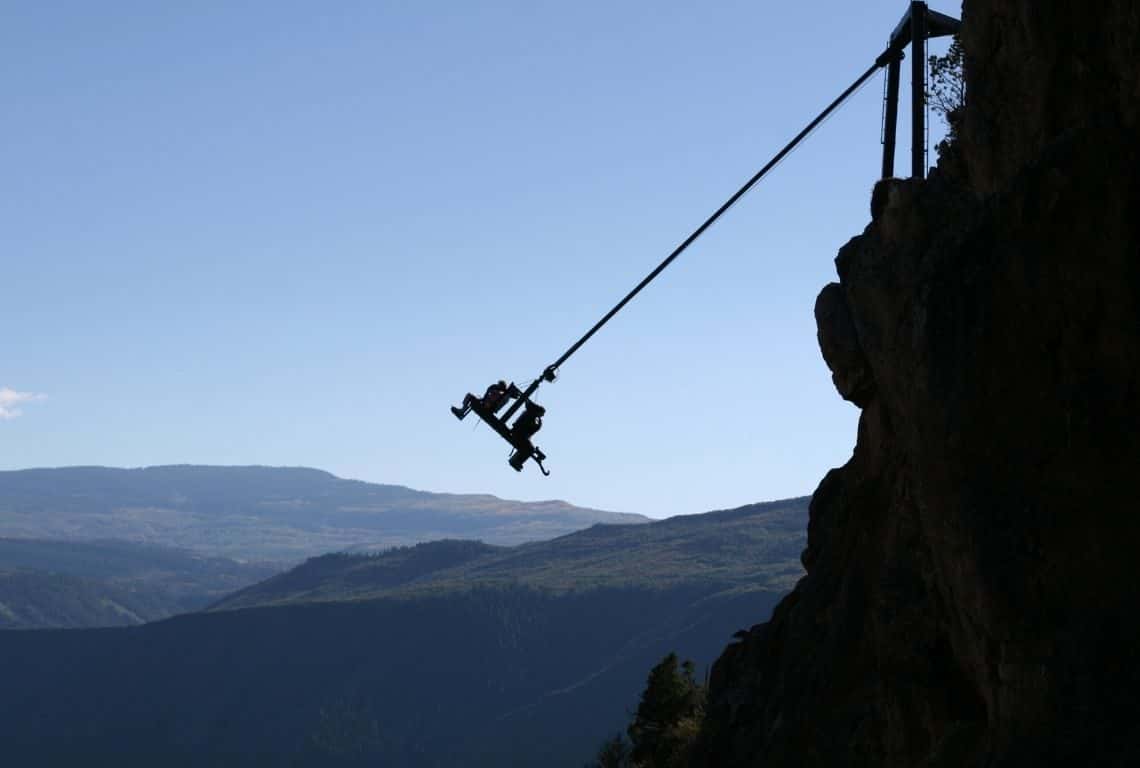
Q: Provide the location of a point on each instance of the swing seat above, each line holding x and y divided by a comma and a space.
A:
523, 448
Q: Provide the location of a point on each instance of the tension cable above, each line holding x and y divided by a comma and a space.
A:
519, 435
550, 372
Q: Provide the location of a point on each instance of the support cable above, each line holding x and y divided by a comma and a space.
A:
549, 373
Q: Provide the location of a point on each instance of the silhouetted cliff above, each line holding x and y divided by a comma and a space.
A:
972, 582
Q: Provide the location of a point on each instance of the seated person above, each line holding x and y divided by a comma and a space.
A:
525, 427
530, 422
493, 399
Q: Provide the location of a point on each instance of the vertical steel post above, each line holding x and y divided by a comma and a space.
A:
918, 89
890, 129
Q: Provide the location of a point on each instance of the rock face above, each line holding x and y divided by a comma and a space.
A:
972, 586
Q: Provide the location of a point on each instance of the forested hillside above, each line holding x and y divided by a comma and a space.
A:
752, 547
71, 584
454, 653
35, 599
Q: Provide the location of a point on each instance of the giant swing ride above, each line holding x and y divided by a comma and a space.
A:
918, 25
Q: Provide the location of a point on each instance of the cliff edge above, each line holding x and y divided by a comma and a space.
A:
971, 587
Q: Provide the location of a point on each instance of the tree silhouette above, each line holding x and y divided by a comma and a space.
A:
668, 717
947, 92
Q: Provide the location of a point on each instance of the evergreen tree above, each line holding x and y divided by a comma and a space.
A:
947, 94
668, 717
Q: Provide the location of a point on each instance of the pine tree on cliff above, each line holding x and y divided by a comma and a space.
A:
947, 94
668, 716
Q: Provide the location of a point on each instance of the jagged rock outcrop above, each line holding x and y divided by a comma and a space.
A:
839, 343
971, 596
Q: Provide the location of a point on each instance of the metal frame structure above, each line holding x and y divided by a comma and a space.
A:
918, 25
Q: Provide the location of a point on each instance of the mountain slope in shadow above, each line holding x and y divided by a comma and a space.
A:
73, 584
454, 653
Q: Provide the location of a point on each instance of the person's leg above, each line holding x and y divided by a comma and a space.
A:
461, 412
523, 450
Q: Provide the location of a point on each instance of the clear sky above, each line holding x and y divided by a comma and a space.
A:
293, 233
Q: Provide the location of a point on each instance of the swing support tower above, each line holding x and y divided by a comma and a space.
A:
918, 25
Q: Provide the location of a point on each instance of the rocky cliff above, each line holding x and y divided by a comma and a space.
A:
971, 595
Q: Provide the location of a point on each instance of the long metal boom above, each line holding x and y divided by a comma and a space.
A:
883, 60
549, 372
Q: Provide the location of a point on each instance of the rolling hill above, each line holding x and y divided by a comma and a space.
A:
70, 584
748, 548
37, 600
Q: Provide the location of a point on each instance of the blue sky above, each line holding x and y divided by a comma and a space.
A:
293, 233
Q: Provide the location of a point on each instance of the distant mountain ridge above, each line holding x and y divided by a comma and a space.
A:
265, 513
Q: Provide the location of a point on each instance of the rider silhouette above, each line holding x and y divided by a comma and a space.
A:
493, 399
526, 426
